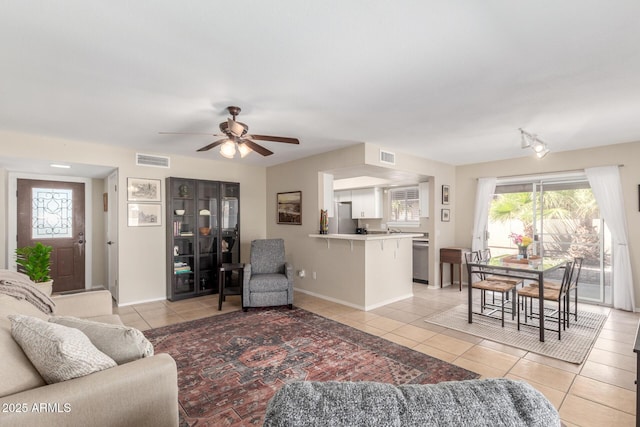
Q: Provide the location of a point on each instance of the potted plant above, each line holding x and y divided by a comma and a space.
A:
35, 262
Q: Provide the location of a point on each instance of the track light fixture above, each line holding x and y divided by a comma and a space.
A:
529, 140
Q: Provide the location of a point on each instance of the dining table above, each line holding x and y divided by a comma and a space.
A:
511, 266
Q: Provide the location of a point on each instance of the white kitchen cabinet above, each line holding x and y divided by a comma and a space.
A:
342, 196
366, 203
423, 193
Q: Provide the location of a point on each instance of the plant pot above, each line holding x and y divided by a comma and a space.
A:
46, 287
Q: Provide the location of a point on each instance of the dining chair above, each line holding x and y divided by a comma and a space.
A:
485, 256
494, 286
556, 295
573, 287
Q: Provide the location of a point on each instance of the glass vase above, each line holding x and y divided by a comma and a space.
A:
523, 252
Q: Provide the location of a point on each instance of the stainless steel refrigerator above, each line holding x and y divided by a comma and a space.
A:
342, 223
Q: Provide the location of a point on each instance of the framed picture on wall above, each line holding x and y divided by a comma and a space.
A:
143, 190
445, 215
445, 194
144, 214
290, 208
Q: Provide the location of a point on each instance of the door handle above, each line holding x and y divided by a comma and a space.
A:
110, 242
81, 236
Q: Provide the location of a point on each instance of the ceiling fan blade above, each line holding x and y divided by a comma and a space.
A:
189, 133
213, 144
257, 148
275, 139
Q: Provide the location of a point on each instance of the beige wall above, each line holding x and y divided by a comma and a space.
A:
141, 250
626, 154
3, 218
309, 254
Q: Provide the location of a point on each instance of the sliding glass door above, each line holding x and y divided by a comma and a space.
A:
563, 218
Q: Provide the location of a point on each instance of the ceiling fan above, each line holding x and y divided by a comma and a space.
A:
236, 134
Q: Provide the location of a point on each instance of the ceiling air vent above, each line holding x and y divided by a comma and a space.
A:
151, 160
387, 157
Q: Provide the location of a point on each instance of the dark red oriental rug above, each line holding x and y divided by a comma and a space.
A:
230, 365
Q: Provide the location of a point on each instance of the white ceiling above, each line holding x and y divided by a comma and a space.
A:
447, 80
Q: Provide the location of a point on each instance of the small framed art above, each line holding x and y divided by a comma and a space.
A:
143, 190
445, 215
144, 214
445, 194
290, 208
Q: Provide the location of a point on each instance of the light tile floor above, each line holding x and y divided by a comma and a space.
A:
599, 392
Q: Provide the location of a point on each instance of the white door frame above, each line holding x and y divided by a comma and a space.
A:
112, 235
12, 218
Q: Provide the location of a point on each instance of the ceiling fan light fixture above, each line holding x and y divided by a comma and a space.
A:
243, 149
235, 128
228, 150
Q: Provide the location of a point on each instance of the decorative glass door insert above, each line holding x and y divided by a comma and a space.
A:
52, 215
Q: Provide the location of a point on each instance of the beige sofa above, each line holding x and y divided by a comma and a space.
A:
143, 392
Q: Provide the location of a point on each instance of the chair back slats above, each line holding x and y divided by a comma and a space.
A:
575, 277
566, 277
471, 257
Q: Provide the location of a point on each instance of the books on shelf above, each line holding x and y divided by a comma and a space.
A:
178, 231
181, 268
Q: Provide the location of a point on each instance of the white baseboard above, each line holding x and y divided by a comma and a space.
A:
142, 301
356, 306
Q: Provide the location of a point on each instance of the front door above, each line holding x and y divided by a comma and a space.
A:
52, 212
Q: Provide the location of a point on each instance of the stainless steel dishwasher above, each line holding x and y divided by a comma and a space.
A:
421, 260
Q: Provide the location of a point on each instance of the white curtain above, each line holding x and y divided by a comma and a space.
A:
607, 189
484, 194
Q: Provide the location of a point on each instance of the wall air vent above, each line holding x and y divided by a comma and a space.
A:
387, 157
151, 160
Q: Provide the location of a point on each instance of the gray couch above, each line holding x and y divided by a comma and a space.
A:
268, 278
488, 402
143, 392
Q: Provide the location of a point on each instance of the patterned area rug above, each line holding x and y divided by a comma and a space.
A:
230, 365
574, 346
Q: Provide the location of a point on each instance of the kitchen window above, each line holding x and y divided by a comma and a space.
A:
405, 206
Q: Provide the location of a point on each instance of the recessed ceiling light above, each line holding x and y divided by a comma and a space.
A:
55, 165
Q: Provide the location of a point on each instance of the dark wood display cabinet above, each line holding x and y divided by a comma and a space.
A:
203, 231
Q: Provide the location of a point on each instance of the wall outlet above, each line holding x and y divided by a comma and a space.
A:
314, 276
301, 273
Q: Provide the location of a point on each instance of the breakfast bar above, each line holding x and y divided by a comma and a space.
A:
368, 270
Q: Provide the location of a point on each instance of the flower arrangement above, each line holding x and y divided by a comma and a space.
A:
520, 240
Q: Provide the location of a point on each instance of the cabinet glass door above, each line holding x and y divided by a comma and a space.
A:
183, 223
207, 235
229, 222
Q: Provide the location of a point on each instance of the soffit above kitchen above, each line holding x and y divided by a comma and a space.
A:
364, 176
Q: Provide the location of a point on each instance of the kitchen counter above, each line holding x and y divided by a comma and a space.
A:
368, 237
